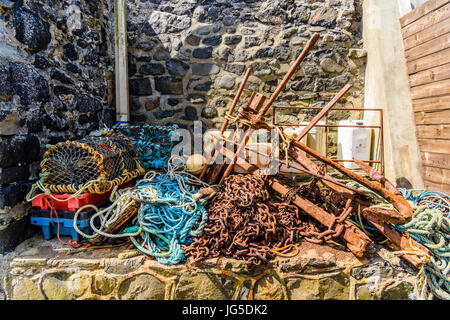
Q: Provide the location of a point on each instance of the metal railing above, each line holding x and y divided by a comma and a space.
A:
379, 155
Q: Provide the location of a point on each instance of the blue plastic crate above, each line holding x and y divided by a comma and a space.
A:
65, 227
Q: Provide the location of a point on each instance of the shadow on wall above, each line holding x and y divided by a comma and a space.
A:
187, 59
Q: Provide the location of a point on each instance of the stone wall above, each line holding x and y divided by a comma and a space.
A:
54, 61
187, 58
318, 272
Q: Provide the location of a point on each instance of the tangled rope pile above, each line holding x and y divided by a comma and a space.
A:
244, 223
432, 199
167, 212
153, 143
169, 215
430, 226
432, 229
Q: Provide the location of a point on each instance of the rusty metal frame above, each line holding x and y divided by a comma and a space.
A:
327, 126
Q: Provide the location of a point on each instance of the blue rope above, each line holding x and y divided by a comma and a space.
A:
153, 143
172, 220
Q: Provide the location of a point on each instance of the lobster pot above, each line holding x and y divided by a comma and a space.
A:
153, 144
96, 164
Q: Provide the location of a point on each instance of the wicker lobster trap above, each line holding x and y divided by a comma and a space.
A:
95, 164
153, 144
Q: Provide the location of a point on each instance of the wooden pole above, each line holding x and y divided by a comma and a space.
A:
121, 62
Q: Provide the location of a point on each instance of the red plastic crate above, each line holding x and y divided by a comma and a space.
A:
75, 203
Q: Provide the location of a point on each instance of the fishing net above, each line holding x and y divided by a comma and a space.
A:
95, 164
153, 143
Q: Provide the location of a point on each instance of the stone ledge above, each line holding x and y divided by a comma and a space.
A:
40, 271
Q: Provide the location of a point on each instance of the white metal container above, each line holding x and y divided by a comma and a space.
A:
353, 142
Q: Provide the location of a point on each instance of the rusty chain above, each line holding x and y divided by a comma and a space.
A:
246, 224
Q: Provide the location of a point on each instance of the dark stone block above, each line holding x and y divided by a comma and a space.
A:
140, 87
108, 116
83, 118
5, 81
162, 114
235, 68
193, 40
17, 232
264, 53
204, 69
132, 69
282, 52
212, 41
176, 67
85, 103
70, 52
144, 59
28, 84
30, 29
211, 14
136, 118
34, 121
14, 174
58, 75
204, 86
169, 85
173, 101
229, 21
153, 69
92, 58
190, 113
19, 149
234, 39
145, 46
82, 43
202, 53
41, 62
161, 53
72, 68
56, 122
58, 90
12, 194
252, 42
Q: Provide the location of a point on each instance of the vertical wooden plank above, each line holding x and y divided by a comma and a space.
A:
121, 62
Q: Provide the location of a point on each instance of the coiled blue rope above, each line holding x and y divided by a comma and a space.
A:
169, 217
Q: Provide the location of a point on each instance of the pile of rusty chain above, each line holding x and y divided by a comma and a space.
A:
246, 224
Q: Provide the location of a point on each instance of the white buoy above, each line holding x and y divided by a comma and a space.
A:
195, 163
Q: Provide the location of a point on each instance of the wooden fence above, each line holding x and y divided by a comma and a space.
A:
426, 38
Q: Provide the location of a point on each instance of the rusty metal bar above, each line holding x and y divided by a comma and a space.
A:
399, 241
230, 113
323, 112
289, 74
404, 209
355, 239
